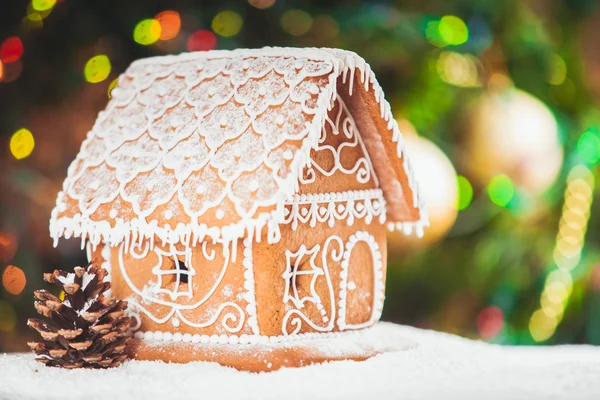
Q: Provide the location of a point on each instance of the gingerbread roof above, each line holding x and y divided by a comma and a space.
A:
213, 143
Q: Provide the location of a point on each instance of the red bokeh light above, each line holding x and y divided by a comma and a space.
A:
201, 40
490, 322
11, 49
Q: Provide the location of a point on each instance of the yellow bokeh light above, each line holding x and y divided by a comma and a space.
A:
453, 30
112, 85
227, 23
541, 326
1, 70
8, 317
458, 69
296, 22
97, 68
42, 5
147, 31
21, 143
557, 72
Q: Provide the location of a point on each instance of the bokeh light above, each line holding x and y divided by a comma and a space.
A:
12, 71
458, 69
8, 316
1, 70
42, 5
97, 68
490, 322
566, 255
112, 85
227, 23
262, 4
170, 24
21, 143
296, 22
453, 30
201, 40
501, 190
557, 72
588, 146
465, 192
11, 50
325, 27
8, 246
147, 32
541, 326
13, 280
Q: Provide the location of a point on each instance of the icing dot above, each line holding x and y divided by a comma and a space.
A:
113, 213
220, 214
280, 120
223, 121
200, 189
175, 322
288, 155
169, 215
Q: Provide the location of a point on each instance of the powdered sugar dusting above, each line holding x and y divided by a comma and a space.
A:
420, 365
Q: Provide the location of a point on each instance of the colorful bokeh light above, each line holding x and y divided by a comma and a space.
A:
97, 68
490, 322
296, 22
170, 24
588, 146
112, 85
453, 30
202, 40
8, 246
21, 143
262, 4
1, 70
501, 190
13, 280
43, 5
11, 50
147, 32
8, 316
465, 192
227, 23
557, 71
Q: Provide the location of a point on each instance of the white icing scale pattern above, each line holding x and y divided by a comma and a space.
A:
212, 144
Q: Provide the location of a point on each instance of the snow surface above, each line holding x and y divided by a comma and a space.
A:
424, 365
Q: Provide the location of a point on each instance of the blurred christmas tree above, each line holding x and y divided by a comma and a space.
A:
504, 94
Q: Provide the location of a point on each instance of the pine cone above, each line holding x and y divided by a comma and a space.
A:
87, 329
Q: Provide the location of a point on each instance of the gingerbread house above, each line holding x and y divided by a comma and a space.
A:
243, 196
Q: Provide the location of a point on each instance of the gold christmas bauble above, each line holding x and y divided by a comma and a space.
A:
510, 132
436, 177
